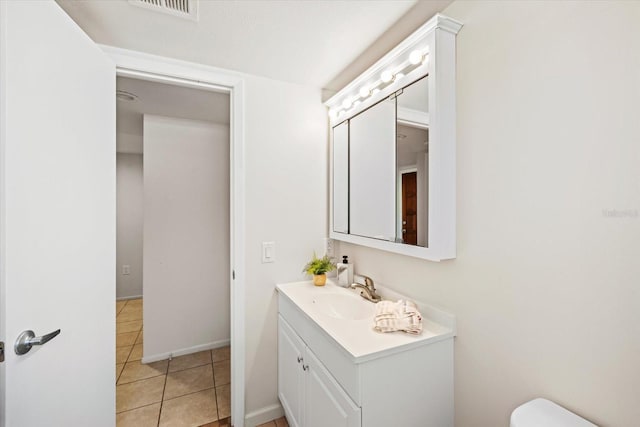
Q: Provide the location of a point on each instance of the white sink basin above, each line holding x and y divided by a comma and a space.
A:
344, 305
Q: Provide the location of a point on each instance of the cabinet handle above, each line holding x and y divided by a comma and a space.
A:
305, 367
300, 359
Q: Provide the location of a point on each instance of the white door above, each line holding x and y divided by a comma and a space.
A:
57, 201
326, 403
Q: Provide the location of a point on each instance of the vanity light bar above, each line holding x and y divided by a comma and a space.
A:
416, 58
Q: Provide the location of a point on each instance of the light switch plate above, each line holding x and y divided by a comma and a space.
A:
126, 270
268, 252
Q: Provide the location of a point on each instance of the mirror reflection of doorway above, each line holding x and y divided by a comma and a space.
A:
412, 164
412, 185
409, 208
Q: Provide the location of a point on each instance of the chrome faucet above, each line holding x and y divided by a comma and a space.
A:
368, 290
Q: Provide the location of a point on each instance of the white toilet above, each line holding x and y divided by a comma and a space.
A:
544, 413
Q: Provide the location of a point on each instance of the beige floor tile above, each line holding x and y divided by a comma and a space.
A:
282, 422
223, 400
134, 371
220, 354
140, 336
128, 316
221, 372
139, 393
126, 340
122, 353
147, 416
135, 302
213, 424
132, 307
119, 367
136, 353
123, 327
119, 306
225, 422
188, 381
190, 410
189, 361
269, 424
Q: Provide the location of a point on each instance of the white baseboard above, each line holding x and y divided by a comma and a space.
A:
126, 298
183, 351
263, 415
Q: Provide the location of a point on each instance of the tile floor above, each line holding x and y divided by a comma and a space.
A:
187, 391
192, 390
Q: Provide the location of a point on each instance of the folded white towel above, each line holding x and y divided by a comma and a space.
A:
398, 316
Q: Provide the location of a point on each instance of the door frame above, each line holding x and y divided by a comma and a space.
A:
401, 171
176, 72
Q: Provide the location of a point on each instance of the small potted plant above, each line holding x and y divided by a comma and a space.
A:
319, 267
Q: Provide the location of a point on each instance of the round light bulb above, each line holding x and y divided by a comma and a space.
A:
386, 76
346, 103
364, 92
415, 57
399, 76
333, 114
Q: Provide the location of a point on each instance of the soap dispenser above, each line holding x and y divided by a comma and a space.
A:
345, 272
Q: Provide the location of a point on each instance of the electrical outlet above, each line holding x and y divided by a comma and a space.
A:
328, 247
126, 270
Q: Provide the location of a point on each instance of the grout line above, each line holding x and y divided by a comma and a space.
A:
128, 356
188, 394
120, 374
215, 391
191, 367
138, 407
140, 379
162, 399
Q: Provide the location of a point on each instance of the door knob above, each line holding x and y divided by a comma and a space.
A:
28, 339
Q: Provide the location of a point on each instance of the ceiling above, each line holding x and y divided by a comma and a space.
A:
163, 100
305, 41
411, 141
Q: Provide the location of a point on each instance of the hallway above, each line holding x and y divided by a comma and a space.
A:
186, 391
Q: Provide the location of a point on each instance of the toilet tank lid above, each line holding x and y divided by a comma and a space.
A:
542, 412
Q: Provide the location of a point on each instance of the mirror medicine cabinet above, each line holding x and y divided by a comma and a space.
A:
393, 149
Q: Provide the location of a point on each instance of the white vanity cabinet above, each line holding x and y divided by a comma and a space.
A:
338, 372
308, 392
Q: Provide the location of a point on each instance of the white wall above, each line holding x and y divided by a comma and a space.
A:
545, 286
286, 155
186, 235
129, 224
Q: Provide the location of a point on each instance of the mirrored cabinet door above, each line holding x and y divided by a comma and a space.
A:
372, 172
412, 142
341, 178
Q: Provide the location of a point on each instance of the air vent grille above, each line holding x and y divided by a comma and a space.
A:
183, 8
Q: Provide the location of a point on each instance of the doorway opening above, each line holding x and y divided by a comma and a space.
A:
174, 229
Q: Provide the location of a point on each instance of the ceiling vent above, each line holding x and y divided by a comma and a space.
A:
182, 8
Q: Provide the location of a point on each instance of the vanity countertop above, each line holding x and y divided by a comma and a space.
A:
356, 336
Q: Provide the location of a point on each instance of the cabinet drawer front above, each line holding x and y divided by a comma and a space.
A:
342, 368
326, 402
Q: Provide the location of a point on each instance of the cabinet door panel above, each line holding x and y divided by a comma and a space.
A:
372, 172
290, 373
326, 404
